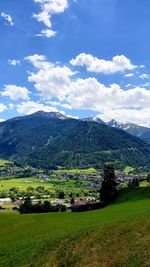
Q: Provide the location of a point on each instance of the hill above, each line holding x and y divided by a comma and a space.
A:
46, 139
118, 235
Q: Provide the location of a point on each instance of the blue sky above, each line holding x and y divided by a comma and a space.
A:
83, 58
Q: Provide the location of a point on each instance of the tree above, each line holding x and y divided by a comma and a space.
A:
47, 206
148, 178
61, 195
26, 207
133, 183
72, 201
108, 191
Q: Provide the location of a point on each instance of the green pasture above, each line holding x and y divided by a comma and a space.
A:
3, 162
74, 171
23, 183
53, 186
118, 235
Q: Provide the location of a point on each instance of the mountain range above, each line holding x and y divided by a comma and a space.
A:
131, 128
49, 139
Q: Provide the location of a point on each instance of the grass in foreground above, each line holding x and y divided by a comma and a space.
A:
118, 235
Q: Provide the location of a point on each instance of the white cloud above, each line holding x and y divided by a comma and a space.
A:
140, 117
2, 107
30, 107
47, 33
11, 105
142, 66
36, 60
66, 106
57, 81
14, 62
145, 76
51, 80
53, 103
15, 92
7, 18
128, 85
48, 9
72, 117
91, 94
146, 84
59, 104
128, 75
1, 120
94, 64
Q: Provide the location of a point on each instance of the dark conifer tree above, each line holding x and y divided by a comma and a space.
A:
148, 178
108, 191
26, 207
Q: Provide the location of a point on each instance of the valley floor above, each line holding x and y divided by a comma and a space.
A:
116, 236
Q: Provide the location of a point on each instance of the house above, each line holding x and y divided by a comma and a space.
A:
5, 201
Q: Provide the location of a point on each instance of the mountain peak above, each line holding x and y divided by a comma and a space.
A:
115, 124
49, 115
94, 119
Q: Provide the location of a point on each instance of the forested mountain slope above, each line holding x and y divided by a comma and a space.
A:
46, 139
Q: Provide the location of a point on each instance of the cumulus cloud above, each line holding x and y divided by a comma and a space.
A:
66, 106
94, 64
48, 9
59, 104
7, 18
15, 92
47, 33
14, 62
89, 93
37, 60
140, 117
2, 107
51, 80
11, 105
59, 82
1, 120
30, 107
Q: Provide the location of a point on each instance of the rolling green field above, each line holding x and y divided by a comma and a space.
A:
86, 171
51, 187
23, 183
118, 235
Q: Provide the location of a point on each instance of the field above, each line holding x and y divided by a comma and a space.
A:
118, 235
23, 183
3, 162
86, 171
51, 188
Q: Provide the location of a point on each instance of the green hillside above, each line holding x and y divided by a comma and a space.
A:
118, 235
40, 140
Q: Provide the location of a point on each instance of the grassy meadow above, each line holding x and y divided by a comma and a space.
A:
23, 183
118, 235
81, 171
51, 188
3, 162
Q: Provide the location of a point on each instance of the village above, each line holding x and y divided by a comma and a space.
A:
63, 187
